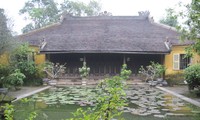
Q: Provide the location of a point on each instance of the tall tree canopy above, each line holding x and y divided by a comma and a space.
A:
40, 12
169, 19
45, 12
5, 33
81, 9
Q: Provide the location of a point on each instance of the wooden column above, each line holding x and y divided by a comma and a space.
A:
124, 59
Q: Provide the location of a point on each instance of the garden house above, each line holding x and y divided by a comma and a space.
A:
106, 42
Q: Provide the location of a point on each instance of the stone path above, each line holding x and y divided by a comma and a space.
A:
176, 92
182, 89
26, 91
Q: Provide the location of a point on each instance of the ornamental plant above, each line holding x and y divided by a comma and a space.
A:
84, 70
125, 73
152, 71
192, 76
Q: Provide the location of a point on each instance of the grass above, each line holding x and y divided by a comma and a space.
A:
192, 94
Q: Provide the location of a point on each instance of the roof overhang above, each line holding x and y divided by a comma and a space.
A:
109, 52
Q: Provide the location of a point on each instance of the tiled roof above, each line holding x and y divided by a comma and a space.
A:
104, 34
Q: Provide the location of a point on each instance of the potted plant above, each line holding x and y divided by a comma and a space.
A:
84, 72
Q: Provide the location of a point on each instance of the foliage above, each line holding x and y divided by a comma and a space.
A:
32, 116
190, 29
111, 98
45, 12
192, 76
16, 78
5, 34
152, 71
170, 19
4, 73
81, 9
41, 12
125, 73
8, 111
22, 59
84, 70
54, 70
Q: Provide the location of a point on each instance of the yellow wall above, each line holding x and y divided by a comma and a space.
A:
169, 59
4, 59
39, 58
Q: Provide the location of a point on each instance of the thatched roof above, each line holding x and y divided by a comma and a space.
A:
104, 34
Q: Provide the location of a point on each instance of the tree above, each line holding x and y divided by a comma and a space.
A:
40, 12
5, 33
111, 98
191, 28
170, 19
45, 12
80, 8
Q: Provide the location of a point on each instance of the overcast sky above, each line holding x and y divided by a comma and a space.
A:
116, 7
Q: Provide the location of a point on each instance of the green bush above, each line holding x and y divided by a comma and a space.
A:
192, 76
152, 71
16, 78
84, 70
4, 73
175, 79
125, 73
20, 59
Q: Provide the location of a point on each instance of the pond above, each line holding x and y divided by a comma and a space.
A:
144, 103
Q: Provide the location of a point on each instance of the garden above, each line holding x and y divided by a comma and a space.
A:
112, 98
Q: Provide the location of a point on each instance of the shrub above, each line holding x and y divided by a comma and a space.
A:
16, 78
152, 71
125, 73
84, 70
192, 76
112, 97
175, 79
20, 59
4, 72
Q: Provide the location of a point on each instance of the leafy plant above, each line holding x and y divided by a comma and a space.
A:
152, 71
84, 70
20, 59
4, 72
8, 111
192, 76
111, 98
125, 73
16, 78
32, 116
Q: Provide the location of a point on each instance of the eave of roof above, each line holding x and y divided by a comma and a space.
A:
109, 52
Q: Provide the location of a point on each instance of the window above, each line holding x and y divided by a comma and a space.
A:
180, 61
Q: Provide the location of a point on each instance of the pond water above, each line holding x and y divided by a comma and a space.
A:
144, 103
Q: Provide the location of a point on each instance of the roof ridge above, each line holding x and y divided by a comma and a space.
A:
164, 26
39, 29
104, 18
